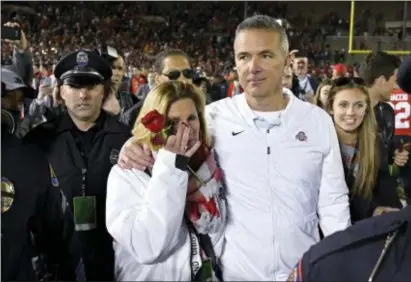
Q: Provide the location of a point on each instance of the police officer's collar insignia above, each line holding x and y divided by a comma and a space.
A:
7, 194
114, 156
53, 177
82, 59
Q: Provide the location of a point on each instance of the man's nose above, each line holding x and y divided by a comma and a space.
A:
255, 65
182, 78
83, 93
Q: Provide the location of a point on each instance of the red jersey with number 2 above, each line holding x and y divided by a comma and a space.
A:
401, 102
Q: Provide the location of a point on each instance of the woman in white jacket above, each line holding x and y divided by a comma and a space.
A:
162, 219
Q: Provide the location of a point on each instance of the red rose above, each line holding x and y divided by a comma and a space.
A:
153, 121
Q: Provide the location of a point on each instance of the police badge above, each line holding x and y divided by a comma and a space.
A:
82, 59
7, 194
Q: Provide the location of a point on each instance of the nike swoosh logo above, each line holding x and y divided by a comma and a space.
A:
236, 133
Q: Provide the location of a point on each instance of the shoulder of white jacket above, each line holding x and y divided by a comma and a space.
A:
117, 174
223, 106
306, 108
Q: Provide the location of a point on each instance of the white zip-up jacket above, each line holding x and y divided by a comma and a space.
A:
145, 217
279, 185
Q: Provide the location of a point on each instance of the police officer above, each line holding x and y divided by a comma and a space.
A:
82, 145
38, 239
375, 249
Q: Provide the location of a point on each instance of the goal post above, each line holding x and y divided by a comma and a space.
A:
362, 52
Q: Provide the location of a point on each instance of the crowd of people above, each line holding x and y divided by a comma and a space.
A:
55, 28
178, 147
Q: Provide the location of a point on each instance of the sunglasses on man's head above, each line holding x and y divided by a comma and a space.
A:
175, 74
341, 81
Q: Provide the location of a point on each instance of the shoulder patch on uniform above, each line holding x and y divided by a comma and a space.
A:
53, 176
7, 194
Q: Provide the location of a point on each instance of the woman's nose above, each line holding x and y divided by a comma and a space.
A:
350, 110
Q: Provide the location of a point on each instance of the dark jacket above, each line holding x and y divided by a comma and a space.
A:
296, 89
384, 194
126, 100
352, 254
38, 223
129, 117
385, 117
85, 159
404, 75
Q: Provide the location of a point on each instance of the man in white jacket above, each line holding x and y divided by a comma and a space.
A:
280, 159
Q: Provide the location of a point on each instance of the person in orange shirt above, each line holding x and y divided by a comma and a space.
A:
134, 82
234, 87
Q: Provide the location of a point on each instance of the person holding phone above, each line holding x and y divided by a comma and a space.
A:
167, 222
22, 62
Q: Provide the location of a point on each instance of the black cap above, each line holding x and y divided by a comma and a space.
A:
83, 65
404, 75
11, 81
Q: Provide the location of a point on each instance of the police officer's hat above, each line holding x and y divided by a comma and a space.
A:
82, 67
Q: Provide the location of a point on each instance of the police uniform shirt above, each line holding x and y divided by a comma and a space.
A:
84, 139
32, 203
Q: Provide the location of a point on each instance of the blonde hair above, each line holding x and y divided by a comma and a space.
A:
317, 96
367, 136
161, 98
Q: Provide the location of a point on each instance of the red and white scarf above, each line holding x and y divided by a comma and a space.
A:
203, 207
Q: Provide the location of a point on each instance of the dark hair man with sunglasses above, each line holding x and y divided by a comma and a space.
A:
379, 71
82, 145
170, 64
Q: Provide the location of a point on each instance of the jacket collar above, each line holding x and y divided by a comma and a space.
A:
250, 116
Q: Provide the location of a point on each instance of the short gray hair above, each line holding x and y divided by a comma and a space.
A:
265, 22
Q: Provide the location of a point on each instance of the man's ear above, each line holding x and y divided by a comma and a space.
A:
60, 92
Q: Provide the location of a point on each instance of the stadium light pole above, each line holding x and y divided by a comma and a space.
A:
245, 9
